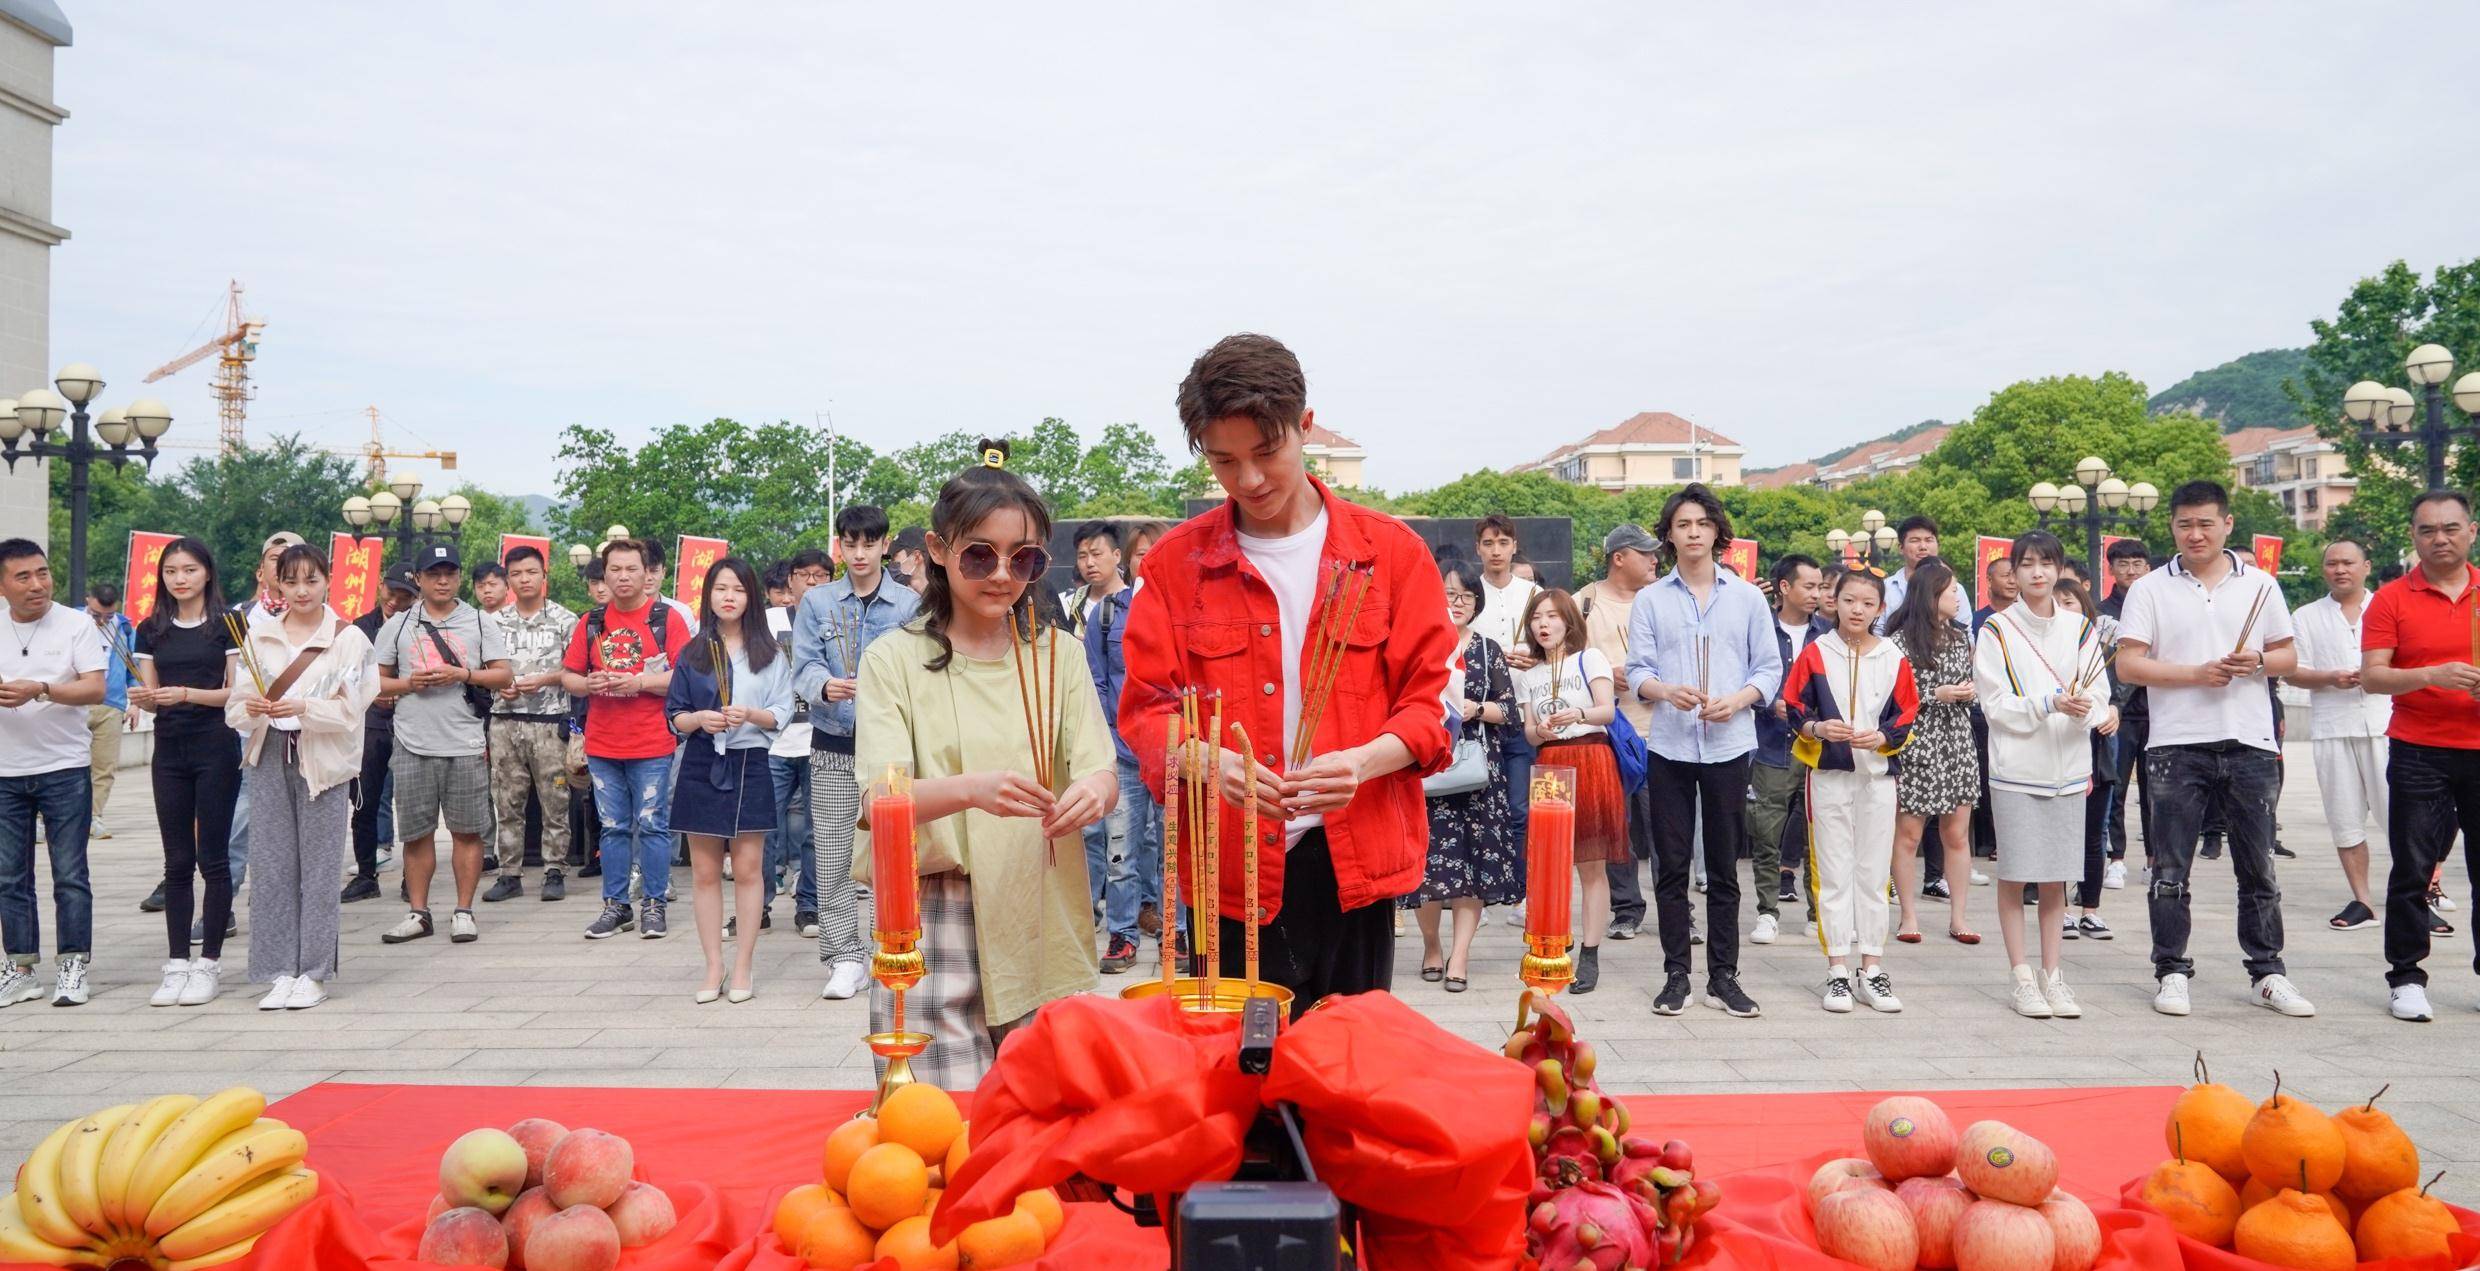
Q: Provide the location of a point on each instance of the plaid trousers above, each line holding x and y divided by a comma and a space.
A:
947, 1004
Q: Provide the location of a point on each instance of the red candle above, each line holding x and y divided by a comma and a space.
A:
1550, 856
895, 889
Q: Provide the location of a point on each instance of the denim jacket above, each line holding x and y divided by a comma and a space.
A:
1107, 659
1774, 735
817, 657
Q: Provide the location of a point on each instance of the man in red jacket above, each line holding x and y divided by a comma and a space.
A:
1236, 601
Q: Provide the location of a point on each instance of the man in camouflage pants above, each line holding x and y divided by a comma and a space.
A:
529, 728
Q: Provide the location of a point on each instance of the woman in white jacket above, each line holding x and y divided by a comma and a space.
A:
301, 747
2035, 668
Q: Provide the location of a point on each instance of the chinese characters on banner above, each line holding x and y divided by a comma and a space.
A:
1988, 551
353, 585
2269, 553
1741, 558
696, 556
2108, 583
511, 542
146, 563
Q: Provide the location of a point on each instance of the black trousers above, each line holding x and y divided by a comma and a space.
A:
1314, 947
2133, 730
196, 781
2430, 793
1627, 896
377, 747
1680, 791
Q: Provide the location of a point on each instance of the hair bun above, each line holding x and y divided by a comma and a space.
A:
994, 453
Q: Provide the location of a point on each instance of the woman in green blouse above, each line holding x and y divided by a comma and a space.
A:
1007, 922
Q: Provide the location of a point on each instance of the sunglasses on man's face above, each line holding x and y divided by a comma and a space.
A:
979, 561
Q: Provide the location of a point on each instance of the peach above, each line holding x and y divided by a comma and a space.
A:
1838, 1175
1909, 1137
1868, 1226
643, 1215
578, 1238
2074, 1233
484, 1169
533, 1205
464, 1237
1993, 1235
588, 1167
439, 1205
537, 1136
1935, 1204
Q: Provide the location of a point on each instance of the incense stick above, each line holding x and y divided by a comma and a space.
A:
1024, 696
1248, 831
1174, 790
1213, 875
1316, 664
241, 644
2250, 627
1313, 700
723, 670
1196, 794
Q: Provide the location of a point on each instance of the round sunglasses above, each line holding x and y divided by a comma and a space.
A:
978, 561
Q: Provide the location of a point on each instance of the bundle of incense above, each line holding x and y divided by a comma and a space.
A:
1173, 791
240, 633
1038, 704
128, 662
1248, 866
2250, 627
1326, 655
1704, 664
2092, 670
723, 672
1199, 804
845, 630
1211, 945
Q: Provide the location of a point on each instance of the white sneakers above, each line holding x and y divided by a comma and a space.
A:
176, 978
2411, 1004
1876, 988
2172, 997
189, 983
18, 984
2061, 999
2275, 993
69, 981
278, 994
2029, 1001
1768, 927
293, 993
846, 980
1979, 879
2114, 876
461, 929
1838, 991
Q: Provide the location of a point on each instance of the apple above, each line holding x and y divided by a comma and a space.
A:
1999, 1162
578, 1238
533, 1205
1839, 1175
2074, 1231
587, 1167
1868, 1226
643, 1215
538, 1136
1935, 1204
464, 1237
1909, 1137
1994, 1235
484, 1169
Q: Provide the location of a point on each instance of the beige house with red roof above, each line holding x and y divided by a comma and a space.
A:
2305, 473
1654, 448
1334, 457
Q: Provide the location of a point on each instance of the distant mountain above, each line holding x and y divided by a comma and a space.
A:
2245, 393
539, 507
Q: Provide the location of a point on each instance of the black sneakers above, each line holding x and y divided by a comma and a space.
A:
507, 887
359, 889
1588, 970
614, 920
154, 902
1674, 996
1120, 956
1723, 991
554, 887
651, 924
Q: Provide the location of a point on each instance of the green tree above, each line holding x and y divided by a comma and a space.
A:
232, 501
764, 489
2245, 392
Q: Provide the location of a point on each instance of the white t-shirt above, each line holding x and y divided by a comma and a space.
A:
1502, 609
44, 736
1796, 633
2329, 641
1290, 567
1574, 687
2181, 622
793, 741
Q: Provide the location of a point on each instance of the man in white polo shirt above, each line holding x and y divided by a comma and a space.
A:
51, 670
2346, 725
2201, 636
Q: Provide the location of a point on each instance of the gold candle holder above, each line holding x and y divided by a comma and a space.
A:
897, 964
1550, 853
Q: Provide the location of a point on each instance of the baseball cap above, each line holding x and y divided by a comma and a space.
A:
1627, 535
436, 556
281, 538
401, 579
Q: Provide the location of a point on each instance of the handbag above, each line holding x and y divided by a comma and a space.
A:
1469, 771
1628, 751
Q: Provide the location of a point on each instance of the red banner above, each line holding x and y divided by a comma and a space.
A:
2109, 582
146, 563
696, 556
1988, 551
1852, 552
2269, 553
1741, 558
511, 542
353, 583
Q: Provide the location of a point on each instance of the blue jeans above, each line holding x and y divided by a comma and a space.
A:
791, 834
62, 799
1142, 861
1105, 878
630, 797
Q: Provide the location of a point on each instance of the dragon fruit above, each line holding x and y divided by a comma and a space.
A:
1592, 1227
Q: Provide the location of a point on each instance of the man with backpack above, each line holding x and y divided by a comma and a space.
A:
445, 661
620, 660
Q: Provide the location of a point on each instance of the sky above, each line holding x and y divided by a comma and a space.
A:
1800, 225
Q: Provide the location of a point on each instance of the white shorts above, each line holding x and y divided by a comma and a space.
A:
2350, 774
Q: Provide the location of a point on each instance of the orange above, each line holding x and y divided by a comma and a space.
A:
836, 1240
889, 1182
2206, 1125
2197, 1201
920, 1117
2254, 1193
908, 1242
799, 1208
930, 1201
2287, 1135
2378, 1159
1043, 1204
844, 1146
2406, 1224
957, 1151
1000, 1242
2294, 1230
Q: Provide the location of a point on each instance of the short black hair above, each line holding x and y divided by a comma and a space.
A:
863, 521
1917, 522
594, 570
910, 541
2040, 543
524, 551
2196, 494
810, 558
489, 569
1244, 376
651, 552
18, 548
644, 550
2352, 543
1788, 566
1092, 530
2456, 497
1456, 567
105, 594
2127, 549
778, 577
1499, 521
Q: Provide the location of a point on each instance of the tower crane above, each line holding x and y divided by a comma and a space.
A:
376, 454
234, 350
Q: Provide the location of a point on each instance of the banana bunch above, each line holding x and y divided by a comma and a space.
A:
173, 1183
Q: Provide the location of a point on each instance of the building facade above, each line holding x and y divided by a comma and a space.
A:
30, 31
2303, 471
1654, 448
1336, 459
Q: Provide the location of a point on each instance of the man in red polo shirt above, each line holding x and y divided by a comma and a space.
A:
2419, 642
1233, 601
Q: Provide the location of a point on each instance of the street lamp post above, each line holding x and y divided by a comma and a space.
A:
2384, 414
409, 528
1876, 539
2093, 500
40, 410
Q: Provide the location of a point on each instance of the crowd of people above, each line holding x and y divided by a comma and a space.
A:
1867, 740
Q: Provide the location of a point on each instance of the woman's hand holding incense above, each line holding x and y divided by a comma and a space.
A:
2072, 704
735, 715
1870, 740
1084, 802
840, 690
1007, 793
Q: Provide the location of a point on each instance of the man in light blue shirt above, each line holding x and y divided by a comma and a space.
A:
106, 720
1919, 536
1701, 648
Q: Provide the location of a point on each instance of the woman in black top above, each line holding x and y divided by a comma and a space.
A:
185, 657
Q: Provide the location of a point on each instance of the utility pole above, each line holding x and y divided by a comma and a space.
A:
826, 420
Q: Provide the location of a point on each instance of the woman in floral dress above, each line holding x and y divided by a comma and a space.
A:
1472, 859
1940, 774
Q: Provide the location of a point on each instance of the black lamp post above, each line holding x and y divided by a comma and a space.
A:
2093, 501
408, 528
41, 410
2384, 414
1876, 540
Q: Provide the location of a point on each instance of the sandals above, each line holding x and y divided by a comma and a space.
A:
1963, 937
1433, 974
1908, 937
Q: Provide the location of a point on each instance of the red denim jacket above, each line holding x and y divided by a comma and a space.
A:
1206, 617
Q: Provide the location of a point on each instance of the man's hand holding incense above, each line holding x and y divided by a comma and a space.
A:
1233, 781
1081, 804
1719, 710
1324, 784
